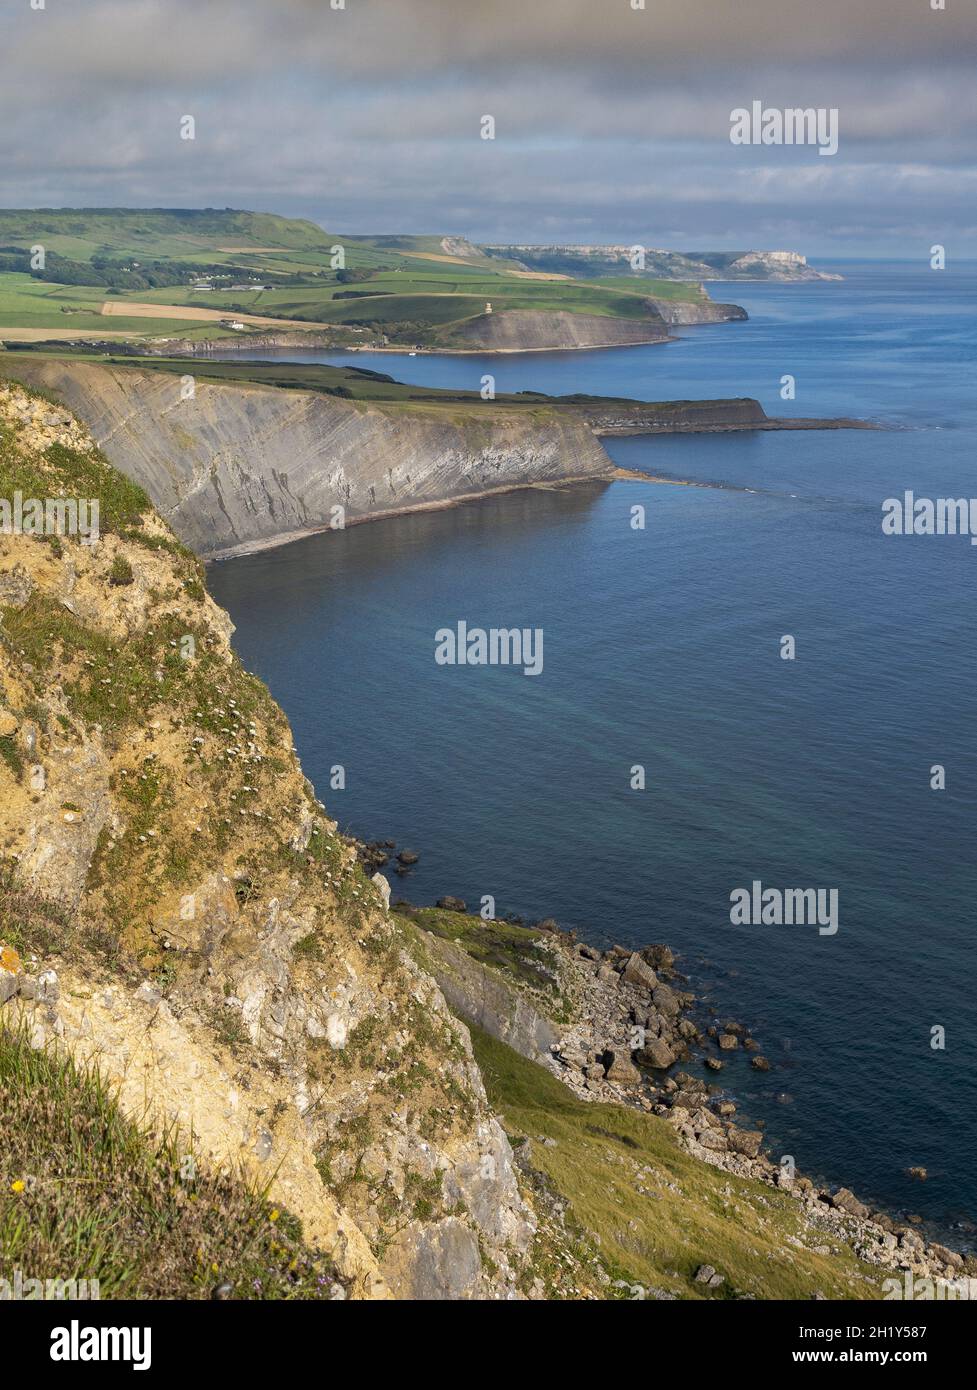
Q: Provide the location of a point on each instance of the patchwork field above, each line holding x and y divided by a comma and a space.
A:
174, 273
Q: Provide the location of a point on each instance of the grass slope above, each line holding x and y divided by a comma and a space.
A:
655, 1213
58, 309
81, 233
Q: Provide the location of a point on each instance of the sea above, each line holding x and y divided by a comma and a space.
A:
668, 754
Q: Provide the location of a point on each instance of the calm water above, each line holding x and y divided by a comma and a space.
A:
662, 648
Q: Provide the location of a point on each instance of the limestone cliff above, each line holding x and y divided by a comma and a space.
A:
595, 261
687, 312
770, 265
222, 958
676, 417
233, 467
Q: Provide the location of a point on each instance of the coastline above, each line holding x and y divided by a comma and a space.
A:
521, 351
231, 347
441, 505
781, 422
621, 996
624, 988
256, 547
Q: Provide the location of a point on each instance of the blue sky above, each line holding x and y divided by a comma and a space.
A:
612, 124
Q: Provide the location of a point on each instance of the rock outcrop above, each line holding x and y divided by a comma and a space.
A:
671, 417
679, 313
480, 995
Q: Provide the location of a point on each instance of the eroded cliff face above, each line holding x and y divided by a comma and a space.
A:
231, 468
676, 417
221, 956
688, 312
535, 330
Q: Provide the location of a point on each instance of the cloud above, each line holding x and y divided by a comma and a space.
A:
606, 115
150, 40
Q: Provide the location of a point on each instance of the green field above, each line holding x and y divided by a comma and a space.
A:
395, 289
35, 304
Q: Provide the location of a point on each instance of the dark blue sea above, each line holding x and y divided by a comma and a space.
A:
662, 648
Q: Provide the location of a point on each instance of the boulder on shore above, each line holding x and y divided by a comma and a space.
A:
619, 1067
658, 957
450, 904
638, 972
844, 1200
655, 1053
745, 1141
666, 1001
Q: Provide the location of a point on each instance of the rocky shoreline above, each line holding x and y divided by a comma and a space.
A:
636, 1023
632, 1023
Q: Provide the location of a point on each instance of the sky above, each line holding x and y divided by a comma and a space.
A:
612, 123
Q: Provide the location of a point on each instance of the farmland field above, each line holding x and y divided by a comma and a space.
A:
200, 267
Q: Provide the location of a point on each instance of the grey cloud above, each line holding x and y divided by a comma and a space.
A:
153, 41
606, 116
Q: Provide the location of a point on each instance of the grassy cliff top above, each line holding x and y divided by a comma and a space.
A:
350, 383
